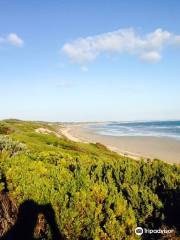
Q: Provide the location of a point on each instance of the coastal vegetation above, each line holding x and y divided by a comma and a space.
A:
94, 192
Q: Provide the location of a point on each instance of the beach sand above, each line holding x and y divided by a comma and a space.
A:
166, 149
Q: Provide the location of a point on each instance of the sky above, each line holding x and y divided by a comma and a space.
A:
105, 60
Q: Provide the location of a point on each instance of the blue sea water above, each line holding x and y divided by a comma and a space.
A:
153, 128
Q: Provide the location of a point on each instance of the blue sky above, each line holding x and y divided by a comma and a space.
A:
90, 60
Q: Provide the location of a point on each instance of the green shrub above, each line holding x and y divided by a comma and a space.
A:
95, 193
4, 129
10, 146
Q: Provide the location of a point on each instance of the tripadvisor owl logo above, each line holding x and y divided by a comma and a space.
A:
139, 231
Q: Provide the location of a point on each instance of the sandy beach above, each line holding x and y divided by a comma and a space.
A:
166, 149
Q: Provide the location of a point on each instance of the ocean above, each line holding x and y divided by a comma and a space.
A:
151, 128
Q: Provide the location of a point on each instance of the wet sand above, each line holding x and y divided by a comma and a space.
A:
166, 149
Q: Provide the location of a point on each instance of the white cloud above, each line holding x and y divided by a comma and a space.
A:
84, 69
15, 40
151, 56
12, 39
147, 47
177, 40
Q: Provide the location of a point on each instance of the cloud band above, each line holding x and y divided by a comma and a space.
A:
147, 47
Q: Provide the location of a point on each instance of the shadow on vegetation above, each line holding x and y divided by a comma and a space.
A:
32, 221
171, 202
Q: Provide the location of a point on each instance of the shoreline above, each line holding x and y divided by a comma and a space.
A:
136, 147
